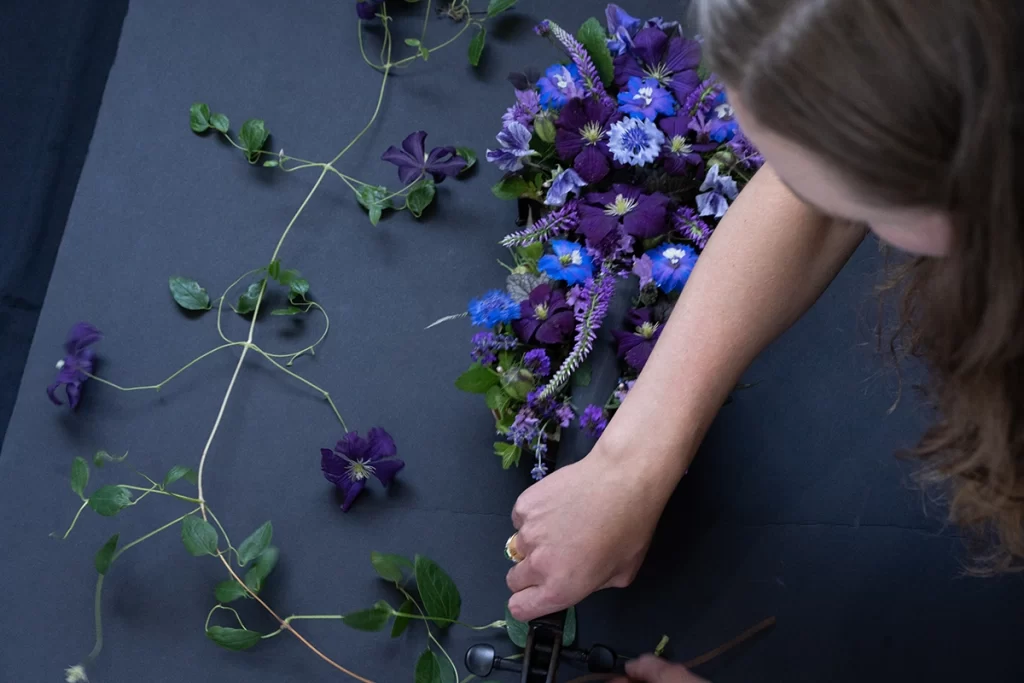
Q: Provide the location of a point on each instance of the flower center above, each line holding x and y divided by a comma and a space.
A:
592, 132
620, 207
359, 470
675, 255
572, 258
562, 80
679, 145
724, 111
646, 95
541, 311
636, 140
60, 364
659, 73
647, 331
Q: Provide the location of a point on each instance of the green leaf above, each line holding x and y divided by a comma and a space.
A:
179, 472
253, 136
261, 569
269, 163
511, 187
508, 453
105, 555
255, 544
516, 386
199, 117
199, 536
109, 500
424, 52
583, 374
469, 155
374, 198
402, 623
420, 197
188, 294
412, 42
229, 591
432, 669
476, 47
102, 457
440, 597
299, 287
220, 122
274, 269
504, 423
233, 638
477, 380
496, 7
389, 567
497, 399
595, 40
287, 277
569, 630
291, 310
530, 254
79, 476
516, 629
373, 619
247, 300
545, 128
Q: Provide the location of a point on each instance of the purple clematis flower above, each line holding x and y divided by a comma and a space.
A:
354, 459
635, 346
680, 153
717, 191
570, 262
671, 266
367, 10
515, 146
565, 182
559, 85
624, 207
413, 161
76, 365
644, 98
544, 317
672, 62
581, 137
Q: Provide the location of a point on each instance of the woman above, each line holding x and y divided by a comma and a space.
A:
894, 116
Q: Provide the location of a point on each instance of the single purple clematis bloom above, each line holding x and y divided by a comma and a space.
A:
679, 153
537, 362
355, 459
723, 119
559, 85
624, 207
493, 308
621, 27
717, 191
413, 160
515, 146
565, 182
644, 98
635, 345
592, 421
367, 10
545, 317
690, 226
636, 142
581, 137
671, 61
570, 262
76, 365
527, 106
671, 266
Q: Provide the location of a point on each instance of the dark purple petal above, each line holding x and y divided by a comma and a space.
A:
81, 336
649, 45
413, 145
408, 168
444, 161
638, 356
574, 115
380, 445
595, 225
541, 294
648, 218
675, 126
74, 390
353, 447
627, 67
51, 391
557, 328
683, 83
683, 55
568, 143
592, 164
367, 10
526, 326
385, 470
680, 164
352, 490
333, 466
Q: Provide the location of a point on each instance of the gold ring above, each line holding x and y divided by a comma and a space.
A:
511, 552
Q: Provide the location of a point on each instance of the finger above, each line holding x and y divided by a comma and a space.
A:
531, 603
518, 516
647, 668
522, 576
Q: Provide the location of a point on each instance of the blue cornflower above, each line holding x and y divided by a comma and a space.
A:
515, 146
570, 262
493, 308
716, 191
565, 182
671, 266
636, 142
559, 85
645, 98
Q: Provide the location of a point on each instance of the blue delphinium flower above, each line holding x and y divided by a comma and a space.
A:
636, 142
645, 98
76, 365
570, 262
559, 85
493, 308
515, 146
565, 182
355, 459
671, 265
723, 122
717, 190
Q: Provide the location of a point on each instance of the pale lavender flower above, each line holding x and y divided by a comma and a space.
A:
717, 191
565, 415
515, 146
643, 268
565, 182
527, 106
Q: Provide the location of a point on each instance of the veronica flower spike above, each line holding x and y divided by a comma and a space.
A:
570, 262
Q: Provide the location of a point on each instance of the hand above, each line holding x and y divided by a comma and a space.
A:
585, 527
651, 669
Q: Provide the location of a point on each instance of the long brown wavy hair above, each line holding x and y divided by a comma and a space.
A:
919, 104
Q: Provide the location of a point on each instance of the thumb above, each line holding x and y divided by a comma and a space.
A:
653, 669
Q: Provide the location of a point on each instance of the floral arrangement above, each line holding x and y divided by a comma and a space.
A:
626, 154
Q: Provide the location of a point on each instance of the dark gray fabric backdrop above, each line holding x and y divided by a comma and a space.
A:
796, 507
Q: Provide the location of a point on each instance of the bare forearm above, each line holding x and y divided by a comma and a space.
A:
769, 260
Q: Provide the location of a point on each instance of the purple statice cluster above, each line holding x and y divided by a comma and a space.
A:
629, 156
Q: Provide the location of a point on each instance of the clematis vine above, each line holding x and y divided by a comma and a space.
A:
77, 364
355, 459
413, 161
672, 62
